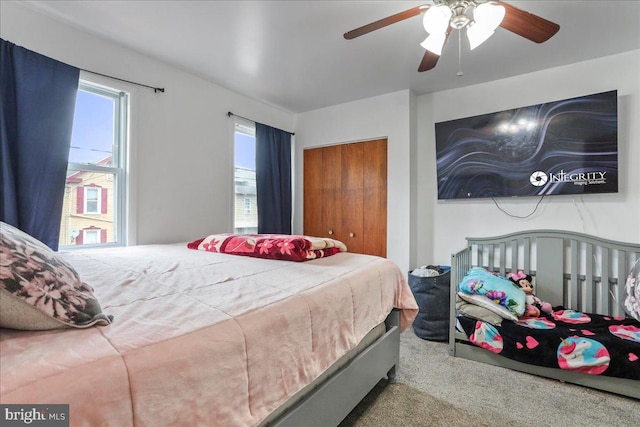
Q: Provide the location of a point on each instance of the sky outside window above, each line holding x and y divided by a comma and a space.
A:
245, 155
93, 136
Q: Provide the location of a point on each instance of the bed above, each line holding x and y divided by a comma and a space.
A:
582, 276
206, 338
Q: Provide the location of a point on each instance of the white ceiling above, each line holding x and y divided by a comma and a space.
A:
292, 54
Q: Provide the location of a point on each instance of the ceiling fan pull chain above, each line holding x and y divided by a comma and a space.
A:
459, 53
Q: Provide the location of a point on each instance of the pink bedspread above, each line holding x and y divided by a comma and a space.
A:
200, 338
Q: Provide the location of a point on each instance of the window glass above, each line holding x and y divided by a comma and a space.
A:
91, 237
245, 202
92, 140
91, 200
95, 190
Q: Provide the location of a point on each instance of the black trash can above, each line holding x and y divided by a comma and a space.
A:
432, 295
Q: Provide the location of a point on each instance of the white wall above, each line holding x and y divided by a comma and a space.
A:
182, 153
444, 224
182, 161
387, 116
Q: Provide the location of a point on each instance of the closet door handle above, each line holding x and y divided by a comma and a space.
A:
351, 235
330, 232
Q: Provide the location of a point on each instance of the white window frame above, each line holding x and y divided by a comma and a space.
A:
86, 233
119, 162
246, 127
98, 191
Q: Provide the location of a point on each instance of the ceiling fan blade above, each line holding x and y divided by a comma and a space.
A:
527, 24
430, 59
409, 13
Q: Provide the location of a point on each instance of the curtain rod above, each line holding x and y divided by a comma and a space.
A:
155, 89
229, 114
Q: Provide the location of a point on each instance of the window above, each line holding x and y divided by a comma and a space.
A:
92, 201
90, 237
245, 202
95, 190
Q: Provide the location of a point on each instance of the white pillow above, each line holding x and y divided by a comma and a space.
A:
476, 312
485, 302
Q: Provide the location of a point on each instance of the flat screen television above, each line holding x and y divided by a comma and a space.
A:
560, 147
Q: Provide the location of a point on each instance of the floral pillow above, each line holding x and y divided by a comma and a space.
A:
283, 247
39, 290
498, 289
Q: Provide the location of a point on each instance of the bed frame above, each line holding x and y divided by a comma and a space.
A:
578, 271
329, 402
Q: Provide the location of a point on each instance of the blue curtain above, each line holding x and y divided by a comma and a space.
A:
273, 179
37, 103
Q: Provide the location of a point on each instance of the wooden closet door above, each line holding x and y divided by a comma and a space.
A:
345, 195
375, 198
313, 193
332, 190
352, 196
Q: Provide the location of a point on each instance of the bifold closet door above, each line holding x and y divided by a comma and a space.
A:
313, 193
374, 204
323, 192
332, 192
353, 196
345, 195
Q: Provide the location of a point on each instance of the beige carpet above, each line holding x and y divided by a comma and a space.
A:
435, 389
399, 405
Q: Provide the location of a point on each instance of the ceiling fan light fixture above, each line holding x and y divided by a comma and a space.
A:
486, 18
479, 17
436, 19
489, 15
477, 34
434, 43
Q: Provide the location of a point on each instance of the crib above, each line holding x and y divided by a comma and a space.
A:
575, 270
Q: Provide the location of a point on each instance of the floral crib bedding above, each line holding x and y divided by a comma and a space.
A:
566, 339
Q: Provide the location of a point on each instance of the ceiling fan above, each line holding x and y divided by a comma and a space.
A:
480, 18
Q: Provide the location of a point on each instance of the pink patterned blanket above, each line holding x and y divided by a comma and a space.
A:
270, 246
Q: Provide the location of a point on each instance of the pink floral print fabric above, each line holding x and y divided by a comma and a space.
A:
32, 276
270, 246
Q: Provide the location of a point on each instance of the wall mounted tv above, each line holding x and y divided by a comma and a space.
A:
560, 147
